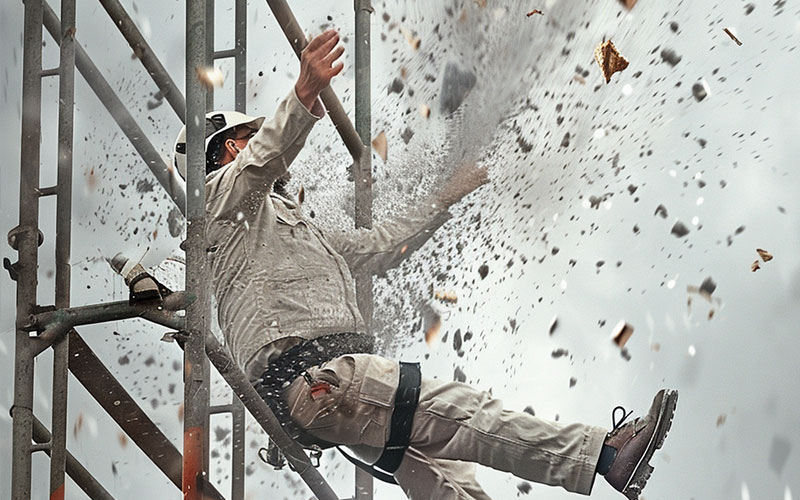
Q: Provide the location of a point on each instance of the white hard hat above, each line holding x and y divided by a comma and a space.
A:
217, 122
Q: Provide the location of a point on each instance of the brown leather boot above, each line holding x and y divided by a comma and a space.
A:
635, 443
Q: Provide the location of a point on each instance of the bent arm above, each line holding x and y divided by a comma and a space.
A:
387, 244
390, 242
275, 145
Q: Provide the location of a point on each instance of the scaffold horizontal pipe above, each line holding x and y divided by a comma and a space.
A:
47, 191
217, 409
225, 54
41, 447
105, 311
54, 324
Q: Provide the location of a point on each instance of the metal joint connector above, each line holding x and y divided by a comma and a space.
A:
364, 5
14, 233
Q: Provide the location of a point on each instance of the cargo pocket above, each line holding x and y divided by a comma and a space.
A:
318, 411
446, 409
376, 400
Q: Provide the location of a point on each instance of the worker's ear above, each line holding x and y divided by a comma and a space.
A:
232, 148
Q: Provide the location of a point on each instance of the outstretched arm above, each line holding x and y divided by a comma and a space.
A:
391, 241
278, 141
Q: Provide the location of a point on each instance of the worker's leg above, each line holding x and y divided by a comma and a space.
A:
424, 478
455, 421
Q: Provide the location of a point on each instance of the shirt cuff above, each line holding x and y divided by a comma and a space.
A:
317, 110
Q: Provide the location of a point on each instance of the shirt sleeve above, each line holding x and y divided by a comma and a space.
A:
269, 153
388, 243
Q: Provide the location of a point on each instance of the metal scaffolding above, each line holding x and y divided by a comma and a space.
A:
39, 327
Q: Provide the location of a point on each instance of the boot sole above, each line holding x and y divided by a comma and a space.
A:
641, 474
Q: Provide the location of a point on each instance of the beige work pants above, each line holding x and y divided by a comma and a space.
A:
455, 426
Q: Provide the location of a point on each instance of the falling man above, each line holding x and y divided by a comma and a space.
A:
287, 306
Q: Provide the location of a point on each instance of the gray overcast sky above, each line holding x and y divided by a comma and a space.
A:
568, 228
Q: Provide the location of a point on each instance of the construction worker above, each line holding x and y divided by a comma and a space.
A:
287, 306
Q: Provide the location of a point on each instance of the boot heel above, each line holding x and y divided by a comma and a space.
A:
638, 482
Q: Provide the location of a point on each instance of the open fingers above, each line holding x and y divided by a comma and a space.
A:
320, 39
327, 46
334, 55
336, 69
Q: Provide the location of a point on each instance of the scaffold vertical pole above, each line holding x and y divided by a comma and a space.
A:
209, 47
240, 99
363, 181
26, 242
195, 362
66, 100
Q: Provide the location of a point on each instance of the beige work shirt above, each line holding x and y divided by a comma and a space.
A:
275, 275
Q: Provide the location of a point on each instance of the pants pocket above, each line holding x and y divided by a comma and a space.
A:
376, 399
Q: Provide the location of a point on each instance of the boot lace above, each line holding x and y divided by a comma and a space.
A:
625, 415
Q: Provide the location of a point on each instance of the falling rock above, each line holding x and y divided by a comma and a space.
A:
708, 286
679, 229
456, 85
524, 487
670, 57
396, 86
699, 91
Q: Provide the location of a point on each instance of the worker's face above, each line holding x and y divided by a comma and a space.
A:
234, 145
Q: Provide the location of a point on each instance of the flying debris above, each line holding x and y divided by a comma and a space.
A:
535, 11
210, 76
456, 85
679, 229
621, 333
609, 59
380, 145
424, 110
431, 322
733, 37
765, 256
553, 325
446, 296
700, 90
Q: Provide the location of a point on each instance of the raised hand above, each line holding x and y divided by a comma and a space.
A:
318, 65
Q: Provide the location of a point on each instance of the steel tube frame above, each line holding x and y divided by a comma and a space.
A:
144, 53
266, 418
82, 477
119, 112
27, 246
125, 411
91, 314
99, 313
363, 182
240, 100
195, 363
66, 105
